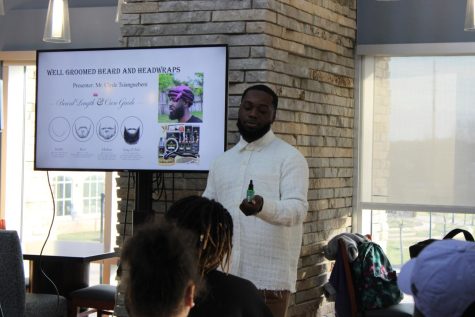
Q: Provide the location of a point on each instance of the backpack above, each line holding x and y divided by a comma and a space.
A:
374, 278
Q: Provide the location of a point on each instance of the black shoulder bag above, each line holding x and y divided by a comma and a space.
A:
415, 249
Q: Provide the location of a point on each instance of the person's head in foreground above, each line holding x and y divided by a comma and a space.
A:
213, 228
442, 279
181, 98
160, 272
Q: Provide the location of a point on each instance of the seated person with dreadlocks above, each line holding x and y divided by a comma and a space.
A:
224, 295
181, 99
160, 272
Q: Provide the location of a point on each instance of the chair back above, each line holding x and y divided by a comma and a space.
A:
348, 277
398, 310
12, 277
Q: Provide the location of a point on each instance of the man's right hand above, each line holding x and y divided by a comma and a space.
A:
252, 207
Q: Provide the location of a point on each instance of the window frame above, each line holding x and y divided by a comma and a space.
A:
28, 58
92, 183
63, 185
365, 55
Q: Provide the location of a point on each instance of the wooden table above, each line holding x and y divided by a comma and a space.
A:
65, 262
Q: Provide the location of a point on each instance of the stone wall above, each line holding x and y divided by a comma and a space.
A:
304, 49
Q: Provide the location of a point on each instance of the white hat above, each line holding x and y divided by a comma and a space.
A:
441, 278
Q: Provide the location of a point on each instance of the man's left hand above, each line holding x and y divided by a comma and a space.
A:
252, 207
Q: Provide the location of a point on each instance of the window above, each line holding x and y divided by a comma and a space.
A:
27, 199
85, 203
63, 198
416, 149
93, 194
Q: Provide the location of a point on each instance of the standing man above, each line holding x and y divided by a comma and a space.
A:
268, 228
181, 99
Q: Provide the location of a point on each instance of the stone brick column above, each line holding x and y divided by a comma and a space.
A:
304, 49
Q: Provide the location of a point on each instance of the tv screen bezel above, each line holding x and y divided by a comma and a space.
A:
225, 119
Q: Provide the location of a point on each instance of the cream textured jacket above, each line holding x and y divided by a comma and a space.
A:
266, 246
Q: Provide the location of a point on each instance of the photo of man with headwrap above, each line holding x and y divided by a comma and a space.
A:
181, 99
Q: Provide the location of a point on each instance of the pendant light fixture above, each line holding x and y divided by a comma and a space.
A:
57, 22
118, 12
2, 7
469, 16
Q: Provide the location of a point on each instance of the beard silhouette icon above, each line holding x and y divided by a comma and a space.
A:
107, 129
107, 133
131, 135
83, 129
132, 129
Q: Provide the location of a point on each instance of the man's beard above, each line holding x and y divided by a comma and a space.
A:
177, 114
251, 136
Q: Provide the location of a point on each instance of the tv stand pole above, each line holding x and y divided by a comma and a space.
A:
143, 197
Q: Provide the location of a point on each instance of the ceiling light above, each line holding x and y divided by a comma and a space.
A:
118, 13
469, 16
57, 22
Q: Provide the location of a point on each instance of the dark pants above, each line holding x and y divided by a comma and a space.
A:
277, 301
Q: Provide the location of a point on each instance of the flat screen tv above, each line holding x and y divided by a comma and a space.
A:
153, 109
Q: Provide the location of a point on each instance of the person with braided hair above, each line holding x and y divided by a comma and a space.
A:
224, 295
159, 271
181, 99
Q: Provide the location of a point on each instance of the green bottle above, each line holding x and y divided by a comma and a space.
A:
250, 192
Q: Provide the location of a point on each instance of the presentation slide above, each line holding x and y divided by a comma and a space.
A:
131, 109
